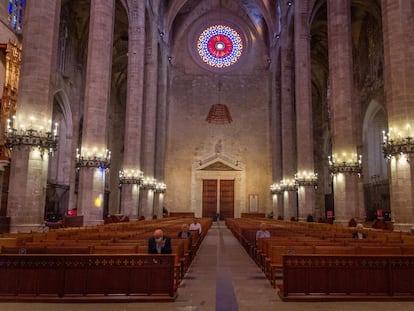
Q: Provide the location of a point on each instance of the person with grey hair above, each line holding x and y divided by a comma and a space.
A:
262, 232
159, 243
359, 233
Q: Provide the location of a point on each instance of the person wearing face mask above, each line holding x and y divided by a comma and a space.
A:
159, 243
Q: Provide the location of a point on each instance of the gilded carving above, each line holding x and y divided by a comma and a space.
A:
10, 87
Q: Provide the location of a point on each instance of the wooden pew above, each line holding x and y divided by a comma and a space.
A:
343, 277
118, 249
82, 278
276, 260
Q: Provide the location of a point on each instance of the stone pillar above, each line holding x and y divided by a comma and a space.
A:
287, 117
304, 125
275, 129
150, 115
3, 165
341, 103
134, 107
161, 123
97, 90
399, 90
277, 204
28, 175
158, 204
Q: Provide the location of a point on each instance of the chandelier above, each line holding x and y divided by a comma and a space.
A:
149, 184
345, 163
160, 187
131, 177
94, 157
284, 185
219, 113
306, 179
41, 138
276, 189
394, 144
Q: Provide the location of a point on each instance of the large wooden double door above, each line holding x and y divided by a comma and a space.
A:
218, 197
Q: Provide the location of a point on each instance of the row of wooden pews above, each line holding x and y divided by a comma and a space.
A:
100, 263
319, 261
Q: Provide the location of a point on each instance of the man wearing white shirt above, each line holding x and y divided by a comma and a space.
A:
195, 226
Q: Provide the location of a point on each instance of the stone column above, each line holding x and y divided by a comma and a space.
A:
161, 123
287, 117
158, 204
3, 165
304, 126
134, 107
341, 102
150, 115
275, 128
399, 90
97, 90
28, 175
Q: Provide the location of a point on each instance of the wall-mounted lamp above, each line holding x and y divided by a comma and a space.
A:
149, 183
396, 143
129, 177
275, 189
93, 158
306, 179
41, 138
160, 187
345, 163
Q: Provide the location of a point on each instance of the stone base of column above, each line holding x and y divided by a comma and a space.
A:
24, 228
404, 227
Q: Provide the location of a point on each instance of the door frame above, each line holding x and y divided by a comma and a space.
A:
230, 169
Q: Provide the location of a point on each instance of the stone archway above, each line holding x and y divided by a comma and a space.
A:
218, 167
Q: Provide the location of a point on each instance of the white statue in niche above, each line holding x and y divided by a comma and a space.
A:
218, 147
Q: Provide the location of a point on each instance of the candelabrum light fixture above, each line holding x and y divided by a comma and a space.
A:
345, 163
93, 157
131, 177
36, 135
160, 187
288, 185
284, 185
396, 143
306, 179
149, 183
275, 189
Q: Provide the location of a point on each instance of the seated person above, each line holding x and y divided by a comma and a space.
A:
195, 226
359, 233
184, 233
262, 232
159, 243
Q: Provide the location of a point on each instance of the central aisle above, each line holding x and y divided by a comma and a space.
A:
223, 277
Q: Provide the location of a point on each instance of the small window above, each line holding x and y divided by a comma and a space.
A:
16, 8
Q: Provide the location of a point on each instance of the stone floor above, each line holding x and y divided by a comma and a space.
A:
221, 278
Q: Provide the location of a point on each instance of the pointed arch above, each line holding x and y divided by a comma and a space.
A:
374, 123
61, 169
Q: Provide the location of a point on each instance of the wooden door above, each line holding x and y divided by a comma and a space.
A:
209, 198
226, 199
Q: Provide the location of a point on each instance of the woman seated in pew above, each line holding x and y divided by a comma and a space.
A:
262, 232
359, 233
184, 233
159, 243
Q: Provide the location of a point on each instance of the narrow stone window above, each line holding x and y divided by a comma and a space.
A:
16, 8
